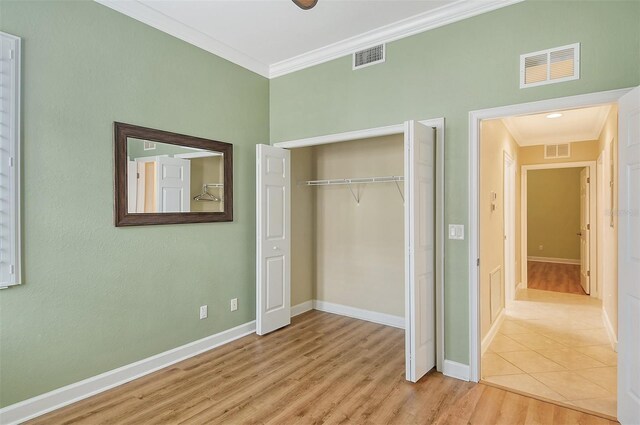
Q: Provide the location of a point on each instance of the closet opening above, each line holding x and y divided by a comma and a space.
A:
348, 225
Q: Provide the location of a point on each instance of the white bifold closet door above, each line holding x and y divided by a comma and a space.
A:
420, 332
273, 234
273, 239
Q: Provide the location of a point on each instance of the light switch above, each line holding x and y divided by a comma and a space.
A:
456, 231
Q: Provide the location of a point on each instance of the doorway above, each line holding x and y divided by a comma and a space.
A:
536, 337
559, 225
423, 235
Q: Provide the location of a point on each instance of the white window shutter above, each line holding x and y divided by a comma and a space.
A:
9, 160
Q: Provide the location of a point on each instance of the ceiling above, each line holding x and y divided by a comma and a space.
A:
575, 125
274, 37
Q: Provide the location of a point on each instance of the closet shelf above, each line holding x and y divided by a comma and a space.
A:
356, 181
359, 180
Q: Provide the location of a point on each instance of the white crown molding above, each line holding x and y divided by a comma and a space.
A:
164, 23
431, 19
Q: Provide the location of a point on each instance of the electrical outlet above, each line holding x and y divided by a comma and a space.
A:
540, 247
203, 312
234, 304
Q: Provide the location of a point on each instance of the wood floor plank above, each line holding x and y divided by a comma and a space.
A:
323, 369
554, 277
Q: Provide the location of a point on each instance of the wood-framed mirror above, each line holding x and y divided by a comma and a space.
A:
168, 178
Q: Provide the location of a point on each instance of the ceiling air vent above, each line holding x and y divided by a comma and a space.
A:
367, 57
557, 151
550, 66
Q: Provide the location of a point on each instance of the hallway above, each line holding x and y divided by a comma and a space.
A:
554, 346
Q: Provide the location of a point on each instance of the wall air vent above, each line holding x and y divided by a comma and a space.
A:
367, 57
550, 66
557, 151
149, 146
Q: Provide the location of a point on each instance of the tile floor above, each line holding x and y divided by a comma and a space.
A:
554, 345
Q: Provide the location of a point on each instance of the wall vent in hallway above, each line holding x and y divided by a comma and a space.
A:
557, 151
370, 56
550, 66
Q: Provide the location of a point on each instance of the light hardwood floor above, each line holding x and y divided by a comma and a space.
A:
323, 368
554, 277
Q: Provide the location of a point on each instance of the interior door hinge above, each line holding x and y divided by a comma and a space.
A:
137, 175
588, 179
588, 273
478, 262
588, 226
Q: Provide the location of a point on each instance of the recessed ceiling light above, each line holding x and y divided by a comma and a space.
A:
554, 115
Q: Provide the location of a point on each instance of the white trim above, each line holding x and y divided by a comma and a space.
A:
425, 21
613, 338
488, 338
298, 309
509, 225
456, 370
524, 249
547, 52
12, 88
342, 137
204, 154
359, 313
553, 260
47, 402
158, 20
475, 117
429, 20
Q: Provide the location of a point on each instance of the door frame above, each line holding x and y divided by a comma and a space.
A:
475, 117
439, 125
509, 226
593, 219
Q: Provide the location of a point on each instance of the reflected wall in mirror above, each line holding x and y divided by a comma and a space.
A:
166, 178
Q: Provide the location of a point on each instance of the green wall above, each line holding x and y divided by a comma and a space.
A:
449, 71
96, 297
553, 213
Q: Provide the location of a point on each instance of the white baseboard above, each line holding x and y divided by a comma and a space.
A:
301, 308
486, 341
47, 402
456, 370
613, 338
358, 313
553, 260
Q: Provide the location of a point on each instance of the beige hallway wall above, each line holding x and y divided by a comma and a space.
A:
580, 151
553, 213
495, 142
607, 144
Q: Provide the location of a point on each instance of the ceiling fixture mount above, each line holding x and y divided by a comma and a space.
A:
305, 4
554, 115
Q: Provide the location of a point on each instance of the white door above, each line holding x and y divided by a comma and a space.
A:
173, 184
629, 258
132, 186
419, 184
585, 230
509, 209
273, 245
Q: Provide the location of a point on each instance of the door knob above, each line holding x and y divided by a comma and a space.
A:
579, 234
275, 248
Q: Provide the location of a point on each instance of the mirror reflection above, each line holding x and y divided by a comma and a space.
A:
167, 178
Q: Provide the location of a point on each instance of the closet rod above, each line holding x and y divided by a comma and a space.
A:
359, 180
